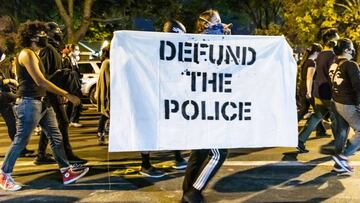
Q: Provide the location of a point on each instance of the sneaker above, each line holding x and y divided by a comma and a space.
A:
179, 165
26, 152
77, 167
44, 159
8, 183
76, 125
193, 196
101, 139
152, 172
76, 160
301, 148
340, 171
342, 161
71, 174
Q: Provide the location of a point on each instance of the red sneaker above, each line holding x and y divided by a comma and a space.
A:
8, 183
71, 175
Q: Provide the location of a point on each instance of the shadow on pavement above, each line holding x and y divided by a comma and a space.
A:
43, 198
98, 178
273, 183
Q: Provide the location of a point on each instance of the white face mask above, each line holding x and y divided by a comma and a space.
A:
76, 54
2, 57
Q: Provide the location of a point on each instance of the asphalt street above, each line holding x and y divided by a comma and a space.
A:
248, 175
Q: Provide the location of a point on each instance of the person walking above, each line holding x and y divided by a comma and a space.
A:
51, 59
322, 95
204, 163
32, 107
345, 77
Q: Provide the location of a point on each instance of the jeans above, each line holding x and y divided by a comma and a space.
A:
7, 113
63, 122
73, 112
29, 113
351, 114
339, 126
102, 122
303, 105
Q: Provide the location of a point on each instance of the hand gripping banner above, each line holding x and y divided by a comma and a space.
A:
192, 91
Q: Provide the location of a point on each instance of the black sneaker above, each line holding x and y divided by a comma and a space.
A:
101, 139
342, 161
340, 171
26, 152
180, 165
44, 159
193, 196
301, 148
152, 172
76, 160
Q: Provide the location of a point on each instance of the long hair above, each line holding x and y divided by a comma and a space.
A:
315, 47
27, 31
203, 18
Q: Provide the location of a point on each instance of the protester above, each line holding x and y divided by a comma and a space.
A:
322, 95
71, 62
306, 73
204, 163
32, 107
7, 100
345, 77
51, 59
174, 26
103, 93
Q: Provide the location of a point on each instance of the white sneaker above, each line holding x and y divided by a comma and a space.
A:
76, 125
8, 183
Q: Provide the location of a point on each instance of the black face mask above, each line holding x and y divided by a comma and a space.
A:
353, 53
42, 41
58, 37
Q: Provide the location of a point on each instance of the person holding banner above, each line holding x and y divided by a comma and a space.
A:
204, 163
345, 78
174, 26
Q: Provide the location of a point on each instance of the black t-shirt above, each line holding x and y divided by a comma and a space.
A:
51, 59
27, 86
303, 75
322, 86
345, 82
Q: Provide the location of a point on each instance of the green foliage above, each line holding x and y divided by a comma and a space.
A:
305, 20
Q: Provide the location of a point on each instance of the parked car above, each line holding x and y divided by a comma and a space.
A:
90, 71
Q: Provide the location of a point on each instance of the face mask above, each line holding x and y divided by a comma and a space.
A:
76, 55
42, 42
58, 37
352, 53
2, 56
215, 29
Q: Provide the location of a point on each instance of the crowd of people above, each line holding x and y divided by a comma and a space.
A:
47, 77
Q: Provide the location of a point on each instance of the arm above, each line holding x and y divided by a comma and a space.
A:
354, 75
28, 59
309, 81
107, 83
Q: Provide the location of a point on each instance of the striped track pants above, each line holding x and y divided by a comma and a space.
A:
202, 166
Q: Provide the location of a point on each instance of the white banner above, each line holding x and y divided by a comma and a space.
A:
192, 91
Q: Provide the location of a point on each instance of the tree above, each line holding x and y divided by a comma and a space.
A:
305, 20
349, 16
75, 30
